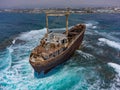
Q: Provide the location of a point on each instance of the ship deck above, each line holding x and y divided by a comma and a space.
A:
50, 46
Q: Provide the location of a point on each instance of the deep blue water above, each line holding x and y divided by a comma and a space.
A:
94, 66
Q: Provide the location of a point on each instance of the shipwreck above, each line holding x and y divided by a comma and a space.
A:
56, 48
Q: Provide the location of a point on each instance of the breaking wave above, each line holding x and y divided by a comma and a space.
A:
110, 43
91, 24
32, 35
108, 35
116, 67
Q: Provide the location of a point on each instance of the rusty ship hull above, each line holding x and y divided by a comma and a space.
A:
47, 65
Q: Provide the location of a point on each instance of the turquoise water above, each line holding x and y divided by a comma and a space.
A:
95, 66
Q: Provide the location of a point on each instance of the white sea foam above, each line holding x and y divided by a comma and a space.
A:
108, 35
10, 50
94, 27
85, 55
110, 43
116, 67
13, 42
91, 24
34, 34
8, 59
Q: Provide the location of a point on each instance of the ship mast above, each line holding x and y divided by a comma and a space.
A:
57, 13
47, 23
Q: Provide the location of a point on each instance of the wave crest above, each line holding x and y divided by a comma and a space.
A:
116, 67
110, 43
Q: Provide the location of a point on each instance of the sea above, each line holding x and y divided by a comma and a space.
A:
94, 66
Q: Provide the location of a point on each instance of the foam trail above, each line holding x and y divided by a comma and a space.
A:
9, 58
110, 43
8, 55
116, 67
